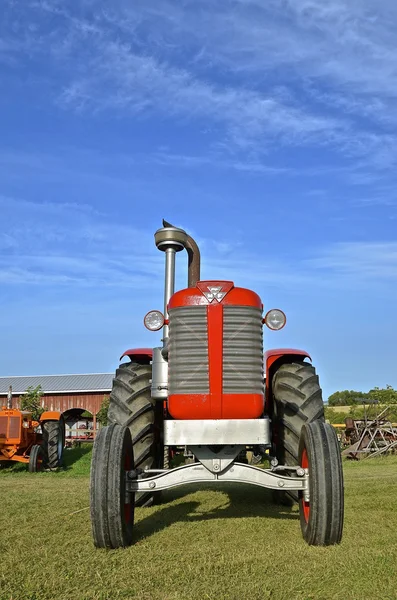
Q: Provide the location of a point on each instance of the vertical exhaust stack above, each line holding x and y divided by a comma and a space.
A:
193, 271
170, 239
9, 398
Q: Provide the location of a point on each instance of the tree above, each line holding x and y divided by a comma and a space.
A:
347, 398
102, 414
387, 395
31, 401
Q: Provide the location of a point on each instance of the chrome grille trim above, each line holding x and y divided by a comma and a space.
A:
242, 350
188, 350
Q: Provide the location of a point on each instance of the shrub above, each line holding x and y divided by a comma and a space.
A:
31, 401
102, 414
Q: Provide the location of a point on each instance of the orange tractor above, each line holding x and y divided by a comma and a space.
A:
38, 443
209, 392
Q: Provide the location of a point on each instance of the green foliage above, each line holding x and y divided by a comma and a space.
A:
387, 395
347, 398
102, 414
86, 415
369, 411
372, 411
31, 401
335, 416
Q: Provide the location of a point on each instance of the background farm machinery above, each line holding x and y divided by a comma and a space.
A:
369, 437
38, 443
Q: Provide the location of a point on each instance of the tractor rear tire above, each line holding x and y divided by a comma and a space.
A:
54, 442
297, 400
131, 405
36, 459
112, 508
322, 517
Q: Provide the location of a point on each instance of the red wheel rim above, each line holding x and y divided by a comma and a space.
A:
127, 505
305, 505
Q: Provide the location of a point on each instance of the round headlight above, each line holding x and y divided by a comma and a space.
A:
154, 320
275, 319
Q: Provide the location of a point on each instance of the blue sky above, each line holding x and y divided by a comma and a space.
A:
268, 130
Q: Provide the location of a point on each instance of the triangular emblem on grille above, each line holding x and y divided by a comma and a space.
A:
215, 290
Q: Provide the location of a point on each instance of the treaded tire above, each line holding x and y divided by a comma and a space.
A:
36, 459
131, 405
54, 442
322, 517
112, 510
297, 400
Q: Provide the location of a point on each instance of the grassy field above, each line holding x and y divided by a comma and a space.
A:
224, 544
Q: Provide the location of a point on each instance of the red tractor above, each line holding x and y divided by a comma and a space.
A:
39, 444
208, 390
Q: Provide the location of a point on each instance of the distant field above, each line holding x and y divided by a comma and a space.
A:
224, 544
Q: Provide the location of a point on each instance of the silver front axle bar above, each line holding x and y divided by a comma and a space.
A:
235, 473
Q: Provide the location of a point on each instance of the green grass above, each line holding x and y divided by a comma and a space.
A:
213, 544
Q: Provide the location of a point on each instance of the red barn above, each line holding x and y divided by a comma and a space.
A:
70, 394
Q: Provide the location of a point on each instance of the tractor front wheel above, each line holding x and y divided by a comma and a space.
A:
36, 459
54, 442
321, 516
112, 508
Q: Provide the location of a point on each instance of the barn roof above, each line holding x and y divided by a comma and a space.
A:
56, 384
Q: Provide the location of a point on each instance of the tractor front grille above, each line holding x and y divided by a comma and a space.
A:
188, 350
14, 427
3, 426
242, 350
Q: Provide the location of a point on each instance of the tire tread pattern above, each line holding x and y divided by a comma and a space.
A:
53, 436
298, 400
325, 524
131, 405
36, 452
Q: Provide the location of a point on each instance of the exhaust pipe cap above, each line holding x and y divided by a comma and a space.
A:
170, 237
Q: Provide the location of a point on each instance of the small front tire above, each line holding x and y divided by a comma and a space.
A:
322, 517
36, 459
112, 507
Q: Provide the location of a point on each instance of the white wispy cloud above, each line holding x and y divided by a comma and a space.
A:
113, 74
350, 41
215, 160
47, 208
339, 54
125, 80
359, 261
48, 250
252, 73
